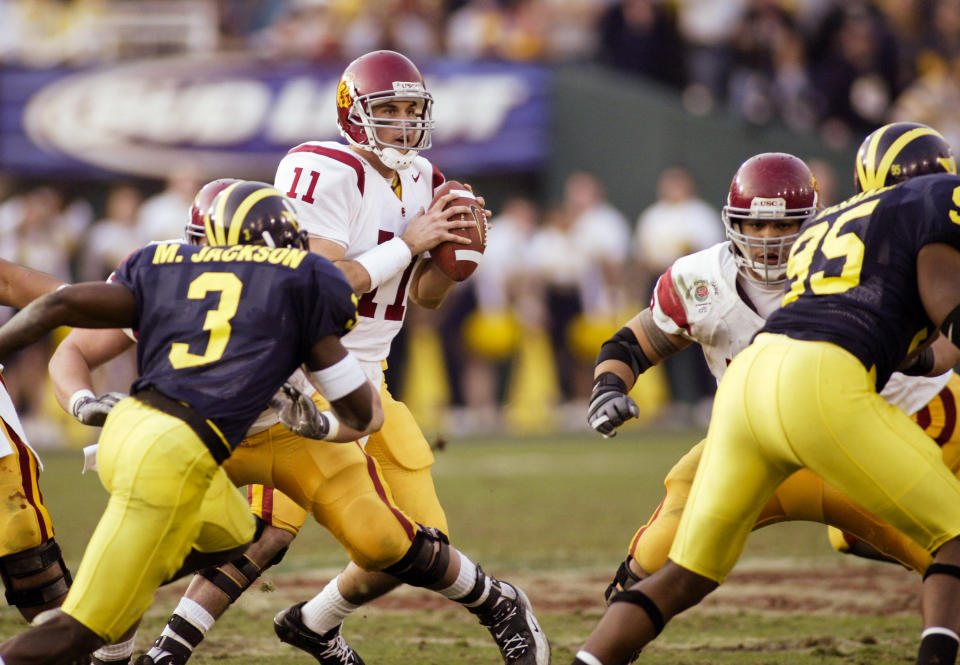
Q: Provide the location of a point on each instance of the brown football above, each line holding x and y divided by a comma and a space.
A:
458, 261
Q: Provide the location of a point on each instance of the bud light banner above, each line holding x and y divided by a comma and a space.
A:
237, 115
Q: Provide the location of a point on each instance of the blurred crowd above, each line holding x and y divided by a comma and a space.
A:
515, 345
837, 67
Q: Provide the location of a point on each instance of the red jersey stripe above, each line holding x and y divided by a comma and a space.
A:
342, 157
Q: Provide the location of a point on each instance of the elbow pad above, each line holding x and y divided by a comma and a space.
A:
623, 346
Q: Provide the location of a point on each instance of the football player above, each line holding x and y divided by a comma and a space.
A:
220, 331
742, 293
31, 566
368, 207
868, 284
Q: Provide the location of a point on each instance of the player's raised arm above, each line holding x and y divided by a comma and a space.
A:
87, 305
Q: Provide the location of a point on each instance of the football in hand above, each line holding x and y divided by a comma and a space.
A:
458, 261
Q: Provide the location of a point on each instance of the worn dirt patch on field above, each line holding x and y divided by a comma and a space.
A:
868, 589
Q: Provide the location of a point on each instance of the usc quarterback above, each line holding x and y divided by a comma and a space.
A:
367, 207
868, 284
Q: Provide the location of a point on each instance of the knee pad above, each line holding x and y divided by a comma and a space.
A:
426, 561
32, 562
643, 601
225, 581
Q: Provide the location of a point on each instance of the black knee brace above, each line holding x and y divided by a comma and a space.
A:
426, 561
941, 569
623, 580
31, 562
225, 581
641, 600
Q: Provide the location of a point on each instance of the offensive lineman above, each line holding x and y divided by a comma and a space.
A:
869, 282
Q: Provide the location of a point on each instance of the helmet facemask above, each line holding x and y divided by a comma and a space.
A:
772, 251
415, 134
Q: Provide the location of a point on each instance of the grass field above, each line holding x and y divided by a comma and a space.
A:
555, 516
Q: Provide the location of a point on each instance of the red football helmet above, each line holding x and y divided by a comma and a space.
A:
193, 232
768, 186
375, 78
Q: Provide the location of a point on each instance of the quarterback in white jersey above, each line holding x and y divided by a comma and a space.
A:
343, 200
719, 298
369, 207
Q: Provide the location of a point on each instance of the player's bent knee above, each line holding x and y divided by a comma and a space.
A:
269, 541
425, 563
36, 576
372, 533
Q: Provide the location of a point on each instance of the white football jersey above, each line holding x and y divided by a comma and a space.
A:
698, 298
340, 197
12, 421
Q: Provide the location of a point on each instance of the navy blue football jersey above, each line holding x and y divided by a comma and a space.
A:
852, 273
221, 328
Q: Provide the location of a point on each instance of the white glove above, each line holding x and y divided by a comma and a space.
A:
300, 415
92, 410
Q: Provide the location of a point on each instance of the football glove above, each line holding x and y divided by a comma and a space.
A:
610, 406
299, 414
92, 410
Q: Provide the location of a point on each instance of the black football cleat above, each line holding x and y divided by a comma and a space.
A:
329, 648
514, 627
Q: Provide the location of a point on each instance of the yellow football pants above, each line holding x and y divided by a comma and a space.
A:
804, 496
786, 404
402, 456
24, 519
167, 496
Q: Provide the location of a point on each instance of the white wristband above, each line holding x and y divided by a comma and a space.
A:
81, 394
340, 379
334, 425
385, 260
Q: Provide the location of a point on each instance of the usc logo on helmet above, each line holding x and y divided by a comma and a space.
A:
344, 98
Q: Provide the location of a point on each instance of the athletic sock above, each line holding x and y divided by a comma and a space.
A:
327, 609
196, 617
938, 646
118, 653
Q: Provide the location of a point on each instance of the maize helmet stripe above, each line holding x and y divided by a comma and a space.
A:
236, 222
899, 151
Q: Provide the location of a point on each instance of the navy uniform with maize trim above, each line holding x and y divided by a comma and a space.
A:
869, 283
220, 331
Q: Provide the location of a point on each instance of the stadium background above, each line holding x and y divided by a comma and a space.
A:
111, 112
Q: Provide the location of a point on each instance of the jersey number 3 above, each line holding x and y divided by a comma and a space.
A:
217, 320
823, 241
